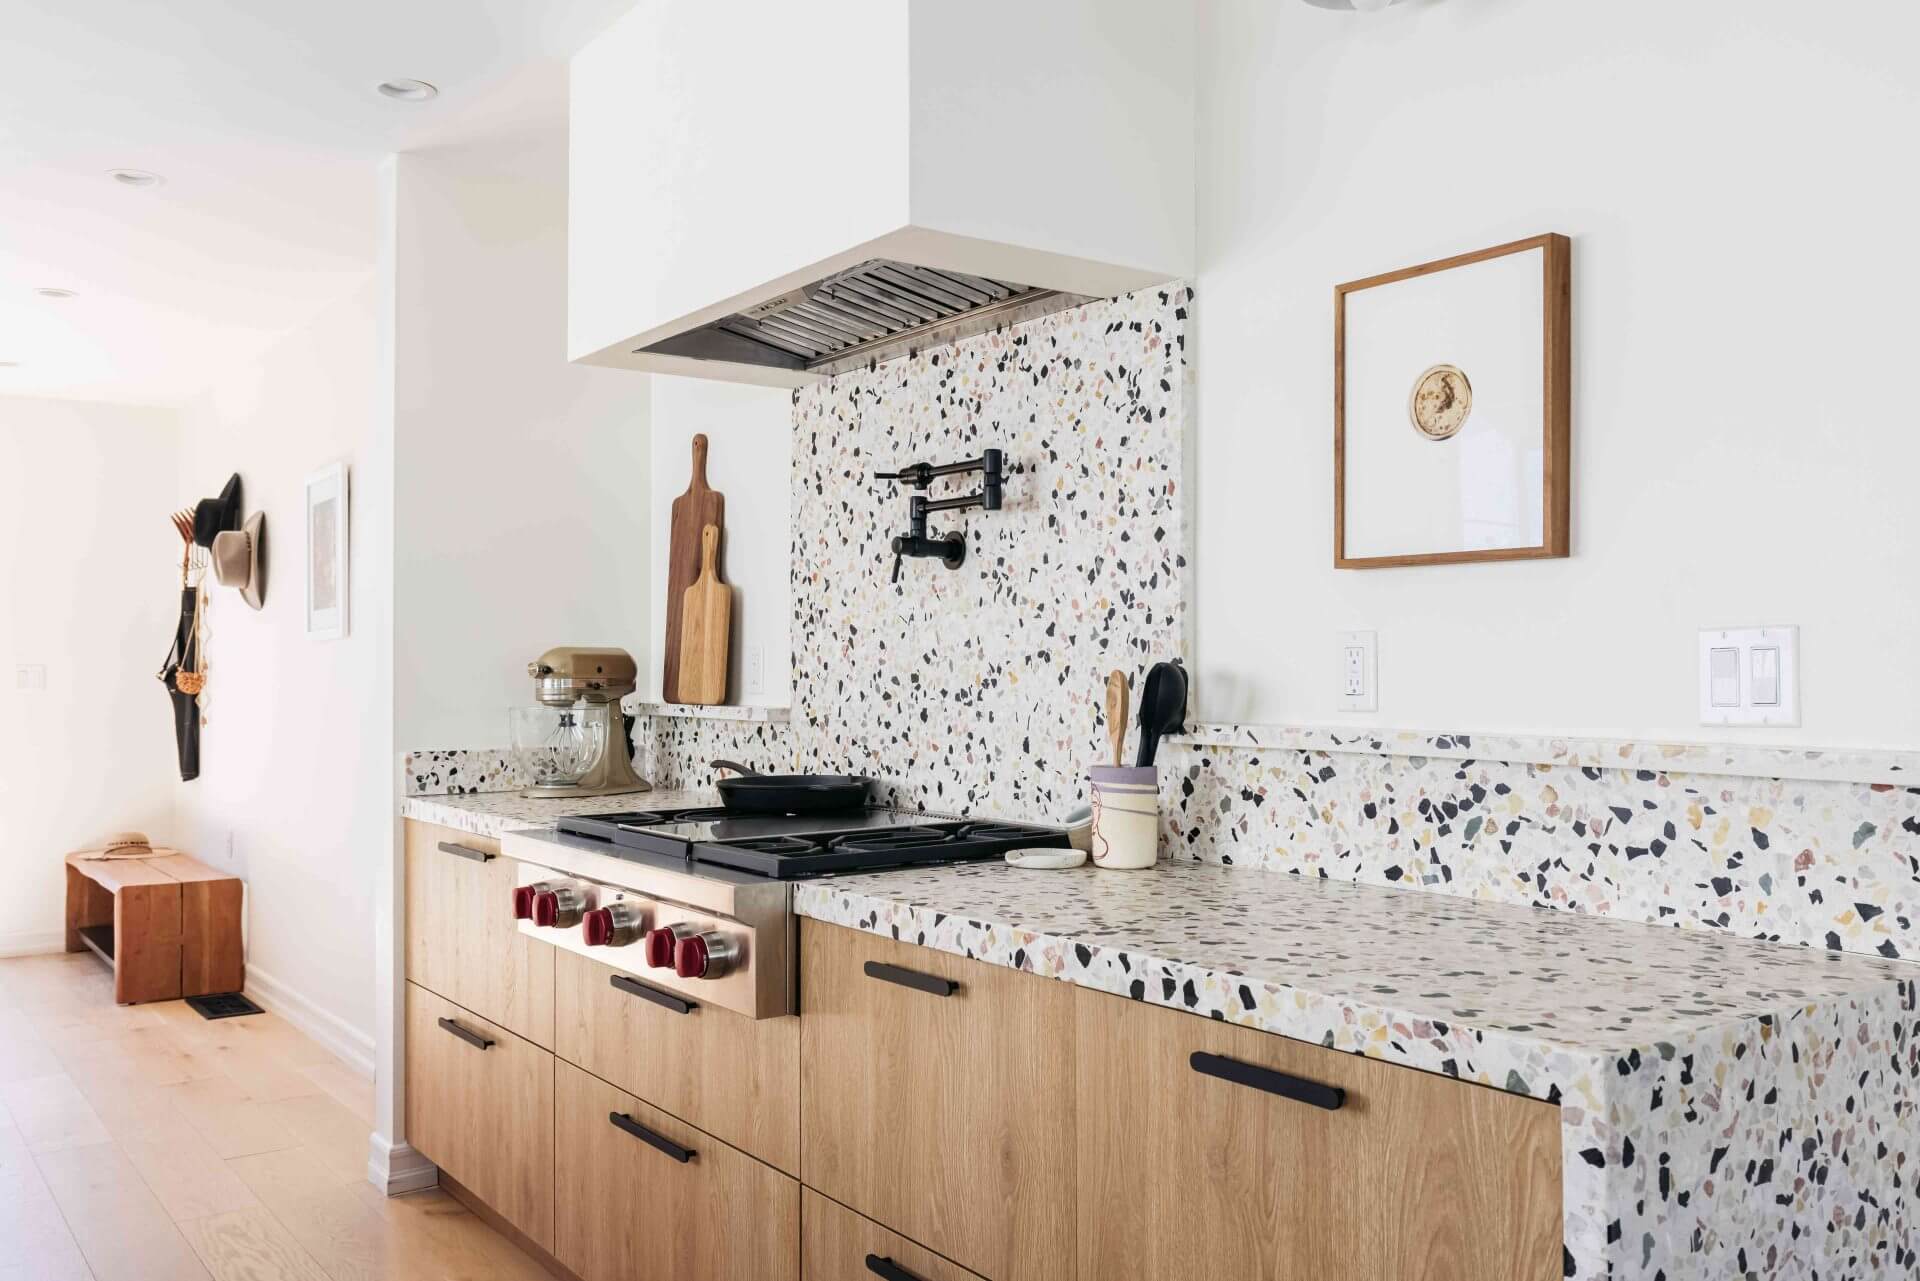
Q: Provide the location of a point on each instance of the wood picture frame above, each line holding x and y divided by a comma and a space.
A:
1555, 448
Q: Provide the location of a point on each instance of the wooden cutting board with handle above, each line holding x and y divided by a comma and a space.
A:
705, 617
693, 511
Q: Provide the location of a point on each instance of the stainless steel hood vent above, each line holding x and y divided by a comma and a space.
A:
864, 315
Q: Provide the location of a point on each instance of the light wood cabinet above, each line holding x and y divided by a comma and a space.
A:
462, 942
643, 1196
1196, 1167
735, 1077
838, 1245
937, 1098
480, 1106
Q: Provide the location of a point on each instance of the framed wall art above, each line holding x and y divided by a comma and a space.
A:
327, 553
1451, 409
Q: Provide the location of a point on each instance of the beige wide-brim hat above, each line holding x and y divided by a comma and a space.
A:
240, 559
126, 845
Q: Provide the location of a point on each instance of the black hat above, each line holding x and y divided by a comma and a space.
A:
213, 515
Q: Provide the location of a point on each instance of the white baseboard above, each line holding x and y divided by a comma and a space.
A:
33, 944
395, 1168
340, 1038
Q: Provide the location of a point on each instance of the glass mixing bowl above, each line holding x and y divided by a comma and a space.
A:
557, 746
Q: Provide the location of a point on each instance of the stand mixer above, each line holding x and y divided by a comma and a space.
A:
563, 679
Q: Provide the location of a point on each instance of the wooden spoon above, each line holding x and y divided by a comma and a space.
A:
1117, 697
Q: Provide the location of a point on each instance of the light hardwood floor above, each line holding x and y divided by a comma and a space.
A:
144, 1143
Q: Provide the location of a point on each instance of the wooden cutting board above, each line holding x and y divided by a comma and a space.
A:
705, 620
693, 511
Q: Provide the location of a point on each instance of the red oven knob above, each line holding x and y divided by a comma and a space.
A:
559, 907
523, 902
599, 927
662, 942
614, 925
704, 956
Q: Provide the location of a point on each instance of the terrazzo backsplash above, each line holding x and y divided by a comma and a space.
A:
1823, 861
671, 750
975, 689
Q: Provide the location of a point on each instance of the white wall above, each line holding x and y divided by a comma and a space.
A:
521, 511
89, 589
523, 515
296, 757
1745, 448
749, 455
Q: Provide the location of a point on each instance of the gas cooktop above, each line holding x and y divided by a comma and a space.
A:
793, 846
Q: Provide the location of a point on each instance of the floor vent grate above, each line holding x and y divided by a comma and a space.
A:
223, 1005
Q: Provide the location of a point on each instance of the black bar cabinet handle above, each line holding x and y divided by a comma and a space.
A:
888, 1269
474, 1039
654, 994
929, 983
465, 851
1299, 1089
622, 1121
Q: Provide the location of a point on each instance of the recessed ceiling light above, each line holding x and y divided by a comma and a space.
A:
408, 90
135, 177
56, 293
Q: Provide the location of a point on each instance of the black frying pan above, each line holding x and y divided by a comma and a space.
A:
752, 793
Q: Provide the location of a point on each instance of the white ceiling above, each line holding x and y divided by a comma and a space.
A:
262, 117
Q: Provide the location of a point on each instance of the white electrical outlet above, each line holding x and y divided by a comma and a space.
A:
756, 669
30, 676
1359, 673
1750, 676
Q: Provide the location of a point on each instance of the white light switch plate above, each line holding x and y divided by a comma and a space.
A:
31, 676
1357, 674
1750, 676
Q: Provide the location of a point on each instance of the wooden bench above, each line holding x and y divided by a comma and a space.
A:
169, 927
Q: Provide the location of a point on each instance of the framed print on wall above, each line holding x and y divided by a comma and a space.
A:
327, 548
1452, 408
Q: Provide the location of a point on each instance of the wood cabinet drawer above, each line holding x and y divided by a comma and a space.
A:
736, 1078
643, 1196
480, 1106
838, 1245
461, 938
1353, 1171
937, 1098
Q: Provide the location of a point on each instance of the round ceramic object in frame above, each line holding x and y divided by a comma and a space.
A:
1441, 400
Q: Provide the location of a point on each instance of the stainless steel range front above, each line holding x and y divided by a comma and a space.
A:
697, 905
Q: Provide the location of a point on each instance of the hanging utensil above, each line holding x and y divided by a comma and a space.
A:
1163, 708
1118, 693
183, 526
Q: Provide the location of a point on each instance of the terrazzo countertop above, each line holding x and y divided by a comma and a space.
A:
1728, 1106
497, 813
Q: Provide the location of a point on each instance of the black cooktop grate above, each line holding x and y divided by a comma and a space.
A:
813, 845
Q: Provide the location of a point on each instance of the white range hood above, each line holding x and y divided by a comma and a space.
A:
774, 192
